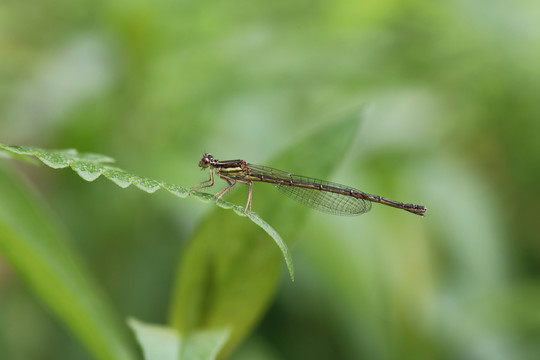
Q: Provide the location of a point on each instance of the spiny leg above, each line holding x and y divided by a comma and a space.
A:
222, 192
201, 186
234, 181
249, 198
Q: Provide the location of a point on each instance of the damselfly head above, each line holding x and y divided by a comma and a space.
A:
206, 161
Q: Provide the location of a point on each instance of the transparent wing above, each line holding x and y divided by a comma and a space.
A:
321, 200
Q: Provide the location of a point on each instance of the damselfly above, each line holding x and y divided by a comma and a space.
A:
318, 194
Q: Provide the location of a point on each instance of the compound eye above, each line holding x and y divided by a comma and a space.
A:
205, 161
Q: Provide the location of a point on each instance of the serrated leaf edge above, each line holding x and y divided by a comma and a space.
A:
75, 160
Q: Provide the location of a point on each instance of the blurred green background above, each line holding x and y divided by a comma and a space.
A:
435, 103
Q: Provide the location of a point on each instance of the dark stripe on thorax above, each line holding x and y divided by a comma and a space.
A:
228, 164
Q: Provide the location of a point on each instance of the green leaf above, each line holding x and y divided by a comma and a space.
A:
87, 170
157, 342
146, 184
118, 176
32, 243
90, 166
229, 274
203, 345
176, 190
55, 159
164, 343
21, 150
274, 235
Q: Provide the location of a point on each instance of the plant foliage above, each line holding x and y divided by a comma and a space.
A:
90, 166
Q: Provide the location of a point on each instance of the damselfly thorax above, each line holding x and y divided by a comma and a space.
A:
318, 194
